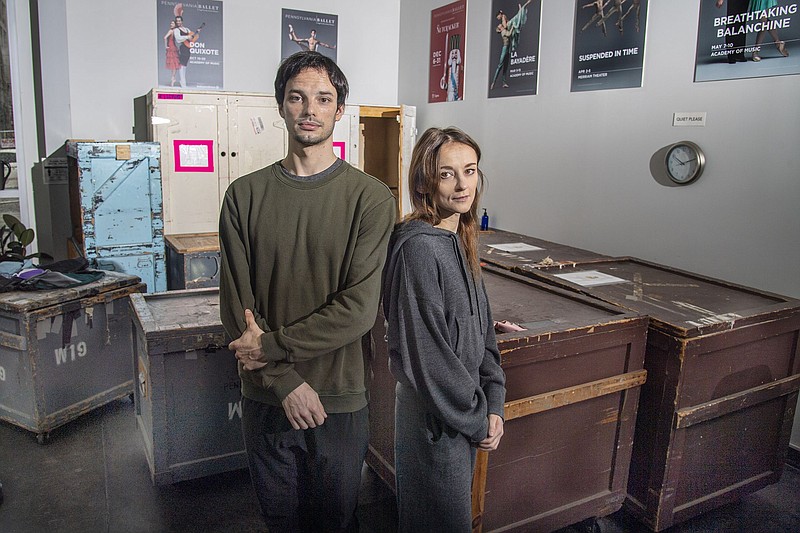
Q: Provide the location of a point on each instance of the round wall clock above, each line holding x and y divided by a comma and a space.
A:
684, 162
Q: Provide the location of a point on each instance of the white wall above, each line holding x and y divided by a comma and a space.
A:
98, 56
574, 167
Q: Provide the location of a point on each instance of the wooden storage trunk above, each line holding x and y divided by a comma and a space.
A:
573, 380
188, 399
520, 258
716, 412
192, 261
64, 352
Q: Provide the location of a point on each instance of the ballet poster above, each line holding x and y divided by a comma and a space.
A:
609, 44
305, 30
747, 39
447, 56
514, 47
190, 44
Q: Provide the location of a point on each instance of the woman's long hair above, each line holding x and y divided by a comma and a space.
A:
424, 182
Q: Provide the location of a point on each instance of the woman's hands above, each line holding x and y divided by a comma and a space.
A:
495, 434
504, 326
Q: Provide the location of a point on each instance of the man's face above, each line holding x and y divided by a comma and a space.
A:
179, 22
309, 107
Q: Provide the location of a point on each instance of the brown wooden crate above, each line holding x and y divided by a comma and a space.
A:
551, 253
562, 373
723, 370
193, 242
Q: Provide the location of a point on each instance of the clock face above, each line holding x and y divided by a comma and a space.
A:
684, 163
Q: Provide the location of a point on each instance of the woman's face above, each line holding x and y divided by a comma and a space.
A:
458, 179
172, 24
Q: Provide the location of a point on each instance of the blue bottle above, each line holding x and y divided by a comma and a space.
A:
484, 221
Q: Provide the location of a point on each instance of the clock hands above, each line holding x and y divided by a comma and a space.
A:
684, 162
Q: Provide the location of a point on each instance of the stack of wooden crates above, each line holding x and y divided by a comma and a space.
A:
723, 373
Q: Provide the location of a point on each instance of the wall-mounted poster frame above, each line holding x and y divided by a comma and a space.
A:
608, 50
747, 39
307, 30
514, 47
448, 52
190, 44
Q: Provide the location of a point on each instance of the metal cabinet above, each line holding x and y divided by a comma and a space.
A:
116, 208
209, 139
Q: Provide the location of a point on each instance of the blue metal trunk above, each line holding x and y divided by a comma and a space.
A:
116, 208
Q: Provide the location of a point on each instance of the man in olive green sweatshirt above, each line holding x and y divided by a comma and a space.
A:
303, 243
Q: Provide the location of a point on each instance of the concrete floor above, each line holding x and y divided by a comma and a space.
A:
92, 476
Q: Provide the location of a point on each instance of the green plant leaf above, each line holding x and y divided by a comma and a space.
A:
11, 220
16, 226
14, 237
26, 237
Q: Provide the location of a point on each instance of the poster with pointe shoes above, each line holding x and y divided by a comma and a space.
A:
306, 30
447, 53
190, 44
514, 47
608, 51
747, 39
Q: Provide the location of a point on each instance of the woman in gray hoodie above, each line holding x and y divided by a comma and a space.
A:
442, 350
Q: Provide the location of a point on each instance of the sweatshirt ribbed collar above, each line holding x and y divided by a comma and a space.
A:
280, 174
